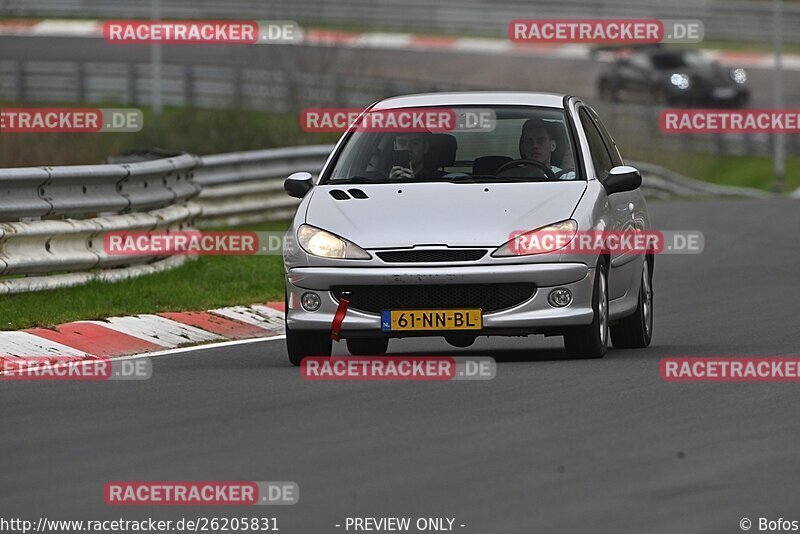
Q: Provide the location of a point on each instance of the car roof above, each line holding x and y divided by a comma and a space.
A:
474, 98
665, 52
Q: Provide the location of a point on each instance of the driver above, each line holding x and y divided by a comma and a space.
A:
538, 143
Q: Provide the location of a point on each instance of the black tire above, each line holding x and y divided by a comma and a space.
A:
303, 343
636, 330
591, 341
368, 346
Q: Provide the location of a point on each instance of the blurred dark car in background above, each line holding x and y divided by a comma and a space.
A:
672, 76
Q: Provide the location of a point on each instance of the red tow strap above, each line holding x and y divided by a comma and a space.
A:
341, 311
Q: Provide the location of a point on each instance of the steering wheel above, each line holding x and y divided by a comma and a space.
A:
527, 163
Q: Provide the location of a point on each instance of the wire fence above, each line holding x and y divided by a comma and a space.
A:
730, 20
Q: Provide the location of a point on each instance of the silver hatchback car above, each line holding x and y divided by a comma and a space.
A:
417, 233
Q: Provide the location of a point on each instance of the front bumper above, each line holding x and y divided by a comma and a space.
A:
725, 96
532, 316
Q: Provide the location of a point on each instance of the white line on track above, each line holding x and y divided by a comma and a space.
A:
179, 350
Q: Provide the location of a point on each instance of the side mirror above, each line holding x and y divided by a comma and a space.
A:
298, 184
621, 179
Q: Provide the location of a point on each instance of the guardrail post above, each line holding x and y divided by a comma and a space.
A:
651, 125
131, 79
237, 88
19, 81
719, 144
793, 145
336, 90
80, 82
188, 86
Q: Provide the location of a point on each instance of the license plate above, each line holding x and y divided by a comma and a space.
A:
393, 320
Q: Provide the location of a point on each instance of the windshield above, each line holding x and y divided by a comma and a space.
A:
678, 60
523, 144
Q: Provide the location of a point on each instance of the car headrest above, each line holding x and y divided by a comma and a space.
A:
442, 150
488, 164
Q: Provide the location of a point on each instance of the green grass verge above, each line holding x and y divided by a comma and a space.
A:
742, 171
208, 282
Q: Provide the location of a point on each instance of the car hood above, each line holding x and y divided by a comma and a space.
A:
408, 214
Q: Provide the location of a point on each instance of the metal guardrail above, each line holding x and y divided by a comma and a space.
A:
735, 20
247, 187
53, 218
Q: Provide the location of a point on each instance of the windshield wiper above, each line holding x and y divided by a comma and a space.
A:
353, 180
472, 178
490, 178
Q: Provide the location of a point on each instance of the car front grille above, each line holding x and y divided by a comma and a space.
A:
488, 297
431, 256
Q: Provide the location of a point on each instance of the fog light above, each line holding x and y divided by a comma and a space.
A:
560, 297
310, 301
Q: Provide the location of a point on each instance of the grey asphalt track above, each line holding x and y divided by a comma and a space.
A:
549, 445
456, 69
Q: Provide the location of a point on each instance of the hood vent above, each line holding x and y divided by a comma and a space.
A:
357, 193
338, 194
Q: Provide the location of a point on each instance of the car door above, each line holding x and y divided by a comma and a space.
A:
622, 205
639, 215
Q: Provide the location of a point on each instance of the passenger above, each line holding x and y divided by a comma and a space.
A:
419, 146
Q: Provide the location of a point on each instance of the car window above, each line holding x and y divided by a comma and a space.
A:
640, 61
677, 60
601, 159
374, 157
616, 157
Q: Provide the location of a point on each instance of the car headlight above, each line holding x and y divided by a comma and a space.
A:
739, 76
540, 241
318, 242
681, 81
